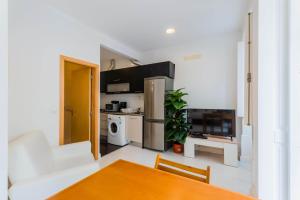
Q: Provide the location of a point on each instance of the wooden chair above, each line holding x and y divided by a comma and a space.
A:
200, 174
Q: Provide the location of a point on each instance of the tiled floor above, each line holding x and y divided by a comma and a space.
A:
106, 148
235, 179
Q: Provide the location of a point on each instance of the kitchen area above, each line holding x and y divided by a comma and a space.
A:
132, 102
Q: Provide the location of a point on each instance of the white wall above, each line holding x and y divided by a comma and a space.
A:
209, 80
241, 68
3, 98
207, 69
38, 35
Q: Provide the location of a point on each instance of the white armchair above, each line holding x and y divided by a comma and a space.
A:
37, 171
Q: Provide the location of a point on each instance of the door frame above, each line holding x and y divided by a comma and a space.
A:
3, 98
294, 98
94, 137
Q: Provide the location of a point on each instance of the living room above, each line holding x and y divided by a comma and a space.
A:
214, 61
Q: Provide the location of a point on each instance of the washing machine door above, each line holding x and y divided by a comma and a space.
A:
114, 128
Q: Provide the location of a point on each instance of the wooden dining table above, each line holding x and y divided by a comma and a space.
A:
125, 180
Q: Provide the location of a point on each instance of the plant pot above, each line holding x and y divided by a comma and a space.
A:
177, 148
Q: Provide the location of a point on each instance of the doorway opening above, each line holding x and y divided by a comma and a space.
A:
79, 102
111, 59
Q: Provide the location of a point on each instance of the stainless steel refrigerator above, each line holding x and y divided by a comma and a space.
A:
154, 107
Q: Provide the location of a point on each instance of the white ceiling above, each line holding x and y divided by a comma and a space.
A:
141, 24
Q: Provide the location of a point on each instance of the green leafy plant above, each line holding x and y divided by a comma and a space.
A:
176, 125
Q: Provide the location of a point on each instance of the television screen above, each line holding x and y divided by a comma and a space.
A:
212, 122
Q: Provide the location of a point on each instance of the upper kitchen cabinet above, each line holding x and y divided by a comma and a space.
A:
115, 80
138, 74
159, 69
131, 80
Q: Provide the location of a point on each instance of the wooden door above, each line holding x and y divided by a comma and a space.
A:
86, 89
81, 105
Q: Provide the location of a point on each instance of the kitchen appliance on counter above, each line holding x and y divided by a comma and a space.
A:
112, 107
129, 110
123, 105
154, 112
108, 107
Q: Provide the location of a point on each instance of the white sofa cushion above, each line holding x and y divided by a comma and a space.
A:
70, 155
29, 156
72, 150
45, 186
38, 171
62, 164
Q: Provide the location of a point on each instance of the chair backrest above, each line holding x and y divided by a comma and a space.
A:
184, 170
29, 156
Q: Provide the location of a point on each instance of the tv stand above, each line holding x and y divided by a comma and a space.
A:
198, 135
230, 148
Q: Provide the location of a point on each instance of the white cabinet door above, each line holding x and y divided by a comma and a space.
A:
135, 128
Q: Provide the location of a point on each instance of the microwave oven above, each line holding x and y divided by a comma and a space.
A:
118, 87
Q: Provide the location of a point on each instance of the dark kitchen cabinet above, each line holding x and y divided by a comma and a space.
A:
113, 77
135, 75
137, 80
160, 69
117, 76
103, 76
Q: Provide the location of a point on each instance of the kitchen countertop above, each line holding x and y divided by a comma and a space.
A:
121, 113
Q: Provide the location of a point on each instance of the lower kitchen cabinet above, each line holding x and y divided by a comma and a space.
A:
103, 124
134, 125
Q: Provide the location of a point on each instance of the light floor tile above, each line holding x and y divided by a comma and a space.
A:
232, 178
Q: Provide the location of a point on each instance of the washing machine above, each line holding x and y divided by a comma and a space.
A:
117, 130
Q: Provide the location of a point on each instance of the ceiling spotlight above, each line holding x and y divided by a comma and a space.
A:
170, 31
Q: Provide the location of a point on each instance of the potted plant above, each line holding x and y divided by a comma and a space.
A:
176, 124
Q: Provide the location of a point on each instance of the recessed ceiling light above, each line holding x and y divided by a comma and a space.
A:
170, 31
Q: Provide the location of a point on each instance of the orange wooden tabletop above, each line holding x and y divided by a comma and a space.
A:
124, 180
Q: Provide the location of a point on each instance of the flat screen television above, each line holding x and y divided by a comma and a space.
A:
217, 122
